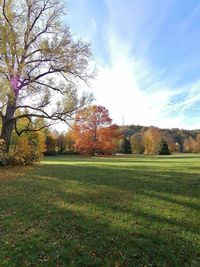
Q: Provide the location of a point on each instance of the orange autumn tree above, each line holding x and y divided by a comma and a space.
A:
93, 131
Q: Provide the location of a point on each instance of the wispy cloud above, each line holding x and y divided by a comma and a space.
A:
191, 98
119, 87
147, 59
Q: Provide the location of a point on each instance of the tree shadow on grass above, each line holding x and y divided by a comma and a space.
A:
42, 227
105, 199
134, 179
188, 204
80, 216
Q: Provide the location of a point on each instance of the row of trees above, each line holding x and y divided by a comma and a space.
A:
192, 145
177, 136
150, 141
58, 143
92, 133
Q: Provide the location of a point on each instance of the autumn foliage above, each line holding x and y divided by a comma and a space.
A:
93, 131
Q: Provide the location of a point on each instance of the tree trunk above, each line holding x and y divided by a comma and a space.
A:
8, 124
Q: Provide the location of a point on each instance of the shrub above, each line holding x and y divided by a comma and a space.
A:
26, 148
21, 154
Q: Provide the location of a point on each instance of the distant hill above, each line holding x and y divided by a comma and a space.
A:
178, 135
129, 130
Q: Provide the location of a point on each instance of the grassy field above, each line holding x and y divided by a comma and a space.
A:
120, 211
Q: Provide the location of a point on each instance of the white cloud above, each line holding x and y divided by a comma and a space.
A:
128, 85
118, 87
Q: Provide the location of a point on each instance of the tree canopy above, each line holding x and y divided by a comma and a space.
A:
40, 65
93, 131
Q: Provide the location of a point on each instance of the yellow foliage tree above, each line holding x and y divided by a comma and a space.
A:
152, 138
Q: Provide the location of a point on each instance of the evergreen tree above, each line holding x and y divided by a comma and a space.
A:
126, 146
163, 148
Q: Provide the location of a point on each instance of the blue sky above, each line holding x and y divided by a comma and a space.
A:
148, 57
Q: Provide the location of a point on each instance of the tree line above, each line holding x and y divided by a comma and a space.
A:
130, 139
92, 133
146, 140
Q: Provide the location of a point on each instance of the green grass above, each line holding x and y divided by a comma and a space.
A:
120, 211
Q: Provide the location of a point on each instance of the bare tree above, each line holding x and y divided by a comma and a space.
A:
40, 65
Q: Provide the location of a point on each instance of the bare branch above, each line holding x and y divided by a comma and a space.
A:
49, 86
5, 16
29, 129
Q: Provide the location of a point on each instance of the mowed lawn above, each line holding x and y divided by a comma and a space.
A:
119, 211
